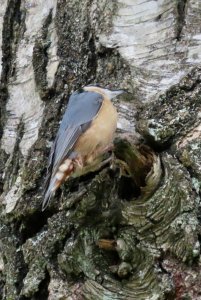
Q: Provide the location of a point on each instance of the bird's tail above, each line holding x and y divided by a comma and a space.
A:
49, 193
53, 182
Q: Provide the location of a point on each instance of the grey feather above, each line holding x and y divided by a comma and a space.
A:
81, 110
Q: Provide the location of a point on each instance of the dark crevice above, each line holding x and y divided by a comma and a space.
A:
23, 269
153, 221
13, 255
127, 189
199, 235
13, 29
199, 219
12, 170
158, 17
2, 283
60, 244
3, 158
105, 52
108, 255
92, 61
43, 292
110, 258
181, 15
33, 224
40, 59
159, 147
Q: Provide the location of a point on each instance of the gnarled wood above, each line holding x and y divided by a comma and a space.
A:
145, 204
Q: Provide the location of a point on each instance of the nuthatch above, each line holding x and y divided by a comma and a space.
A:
86, 131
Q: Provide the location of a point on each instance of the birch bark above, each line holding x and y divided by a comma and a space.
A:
146, 210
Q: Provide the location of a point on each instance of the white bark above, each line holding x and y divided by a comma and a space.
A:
146, 35
145, 46
2, 13
24, 103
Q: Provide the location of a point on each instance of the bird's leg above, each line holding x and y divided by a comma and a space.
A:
98, 154
105, 162
106, 149
103, 150
93, 162
77, 160
123, 167
112, 160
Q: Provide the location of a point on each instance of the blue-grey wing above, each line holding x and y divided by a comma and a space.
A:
81, 110
59, 151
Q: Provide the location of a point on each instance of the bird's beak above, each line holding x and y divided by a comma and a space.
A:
113, 94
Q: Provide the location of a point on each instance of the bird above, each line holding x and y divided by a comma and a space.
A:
86, 132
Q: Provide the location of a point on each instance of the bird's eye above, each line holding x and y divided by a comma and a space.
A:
99, 100
80, 90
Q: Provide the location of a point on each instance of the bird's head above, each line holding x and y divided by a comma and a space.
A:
104, 91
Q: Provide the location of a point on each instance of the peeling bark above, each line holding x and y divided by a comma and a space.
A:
130, 229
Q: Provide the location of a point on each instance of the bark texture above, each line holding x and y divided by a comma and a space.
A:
126, 231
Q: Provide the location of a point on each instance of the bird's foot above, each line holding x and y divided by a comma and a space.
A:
108, 148
123, 168
78, 162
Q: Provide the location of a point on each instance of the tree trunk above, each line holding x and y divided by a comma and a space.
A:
131, 229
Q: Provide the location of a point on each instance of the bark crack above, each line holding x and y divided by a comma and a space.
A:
181, 17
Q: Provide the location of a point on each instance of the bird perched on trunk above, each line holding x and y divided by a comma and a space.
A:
86, 131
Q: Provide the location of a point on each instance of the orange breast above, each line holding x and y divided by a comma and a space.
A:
101, 132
